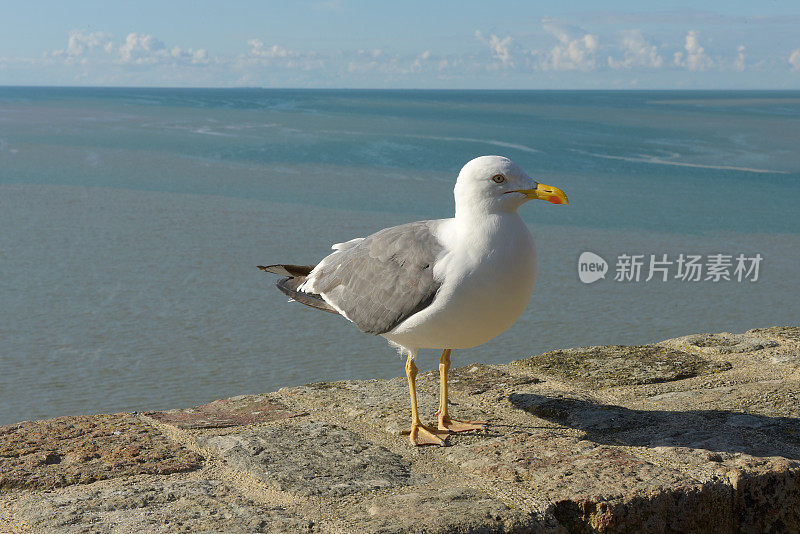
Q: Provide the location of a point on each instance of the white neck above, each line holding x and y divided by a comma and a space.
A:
477, 208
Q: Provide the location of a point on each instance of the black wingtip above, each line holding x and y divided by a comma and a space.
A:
290, 285
291, 271
275, 269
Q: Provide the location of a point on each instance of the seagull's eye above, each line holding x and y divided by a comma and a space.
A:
498, 178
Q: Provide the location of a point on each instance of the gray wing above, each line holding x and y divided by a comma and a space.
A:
379, 282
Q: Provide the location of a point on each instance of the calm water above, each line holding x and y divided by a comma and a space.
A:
131, 221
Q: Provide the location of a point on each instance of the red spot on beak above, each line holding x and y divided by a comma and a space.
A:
554, 200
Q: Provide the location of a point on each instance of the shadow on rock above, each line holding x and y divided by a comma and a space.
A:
715, 430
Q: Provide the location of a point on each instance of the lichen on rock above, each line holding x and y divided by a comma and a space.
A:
620, 365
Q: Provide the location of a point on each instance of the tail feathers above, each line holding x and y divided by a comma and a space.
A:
295, 276
291, 271
289, 287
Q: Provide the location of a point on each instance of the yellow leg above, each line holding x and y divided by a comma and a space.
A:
420, 434
444, 367
445, 423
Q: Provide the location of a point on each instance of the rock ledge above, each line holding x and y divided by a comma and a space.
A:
695, 434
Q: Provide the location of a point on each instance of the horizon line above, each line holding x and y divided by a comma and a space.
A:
289, 88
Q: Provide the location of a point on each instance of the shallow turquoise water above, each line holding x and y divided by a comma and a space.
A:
132, 220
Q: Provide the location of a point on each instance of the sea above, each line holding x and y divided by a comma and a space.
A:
132, 221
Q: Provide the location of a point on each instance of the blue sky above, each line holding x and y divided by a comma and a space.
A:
348, 43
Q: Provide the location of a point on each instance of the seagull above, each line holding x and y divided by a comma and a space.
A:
439, 284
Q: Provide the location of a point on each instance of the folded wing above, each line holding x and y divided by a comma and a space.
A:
382, 280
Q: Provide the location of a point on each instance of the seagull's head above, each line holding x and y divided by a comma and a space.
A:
494, 184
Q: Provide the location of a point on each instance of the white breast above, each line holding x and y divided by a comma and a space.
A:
488, 273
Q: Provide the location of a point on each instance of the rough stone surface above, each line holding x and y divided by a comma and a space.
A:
788, 336
312, 459
723, 343
566, 468
78, 450
619, 365
380, 404
717, 430
451, 510
697, 509
154, 506
767, 500
242, 410
478, 378
787, 333
695, 434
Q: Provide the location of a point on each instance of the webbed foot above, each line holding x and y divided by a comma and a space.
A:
424, 435
454, 425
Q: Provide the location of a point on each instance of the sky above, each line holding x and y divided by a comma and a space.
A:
565, 44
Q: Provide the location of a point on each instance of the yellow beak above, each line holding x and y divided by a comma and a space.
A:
545, 192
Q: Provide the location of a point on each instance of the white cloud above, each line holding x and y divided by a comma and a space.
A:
741, 58
195, 57
277, 56
695, 58
500, 47
81, 44
389, 64
145, 49
623, 57
416, 66
141, 49
99, 49
794, 59
258, 49
577, 49
636, 52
